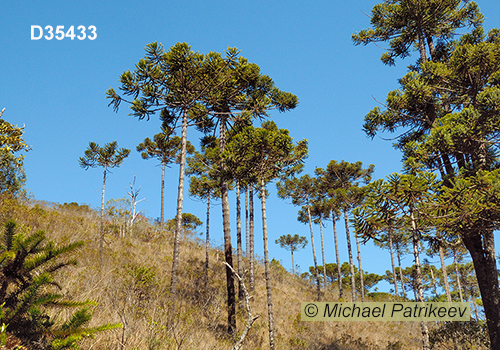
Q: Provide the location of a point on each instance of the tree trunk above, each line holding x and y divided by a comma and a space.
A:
481, 246
433, 281
414, 285
101, 240
432, 49
403, 290
266, 266
178, 216
351, 263
421, 46
337, 257
207, 242
162, 205
228, 249
131, 221
246, 223
238, 238
361, 280
394, 276
475, 307
457, 274
252, 255
418, 280
445, 274
322, 251
293, 263
473, 295
314, 252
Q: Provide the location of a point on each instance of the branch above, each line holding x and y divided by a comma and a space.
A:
251, 319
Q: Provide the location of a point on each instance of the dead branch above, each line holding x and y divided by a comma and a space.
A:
251, 319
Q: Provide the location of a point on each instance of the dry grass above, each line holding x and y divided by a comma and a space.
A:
132, 289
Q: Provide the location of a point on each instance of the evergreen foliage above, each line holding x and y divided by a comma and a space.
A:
270, 153
460, 335
166, 148
170, 83
369, 279
28, 263
292, 244
107, 156
408, 24
12, 176
189, 223
447, 111
301, 191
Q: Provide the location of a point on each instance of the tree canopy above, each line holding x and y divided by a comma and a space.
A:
446, 113
12, 145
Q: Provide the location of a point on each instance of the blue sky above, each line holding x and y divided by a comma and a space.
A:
57, 90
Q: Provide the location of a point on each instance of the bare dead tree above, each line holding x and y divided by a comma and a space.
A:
133, 194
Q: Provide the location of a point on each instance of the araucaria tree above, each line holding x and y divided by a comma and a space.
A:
329, 207
407, 198
447, 110
271, 153
108, 156
241, 176
166, 149
208, 90
242, 93
377, 217
425, 25
320, 211
342, 180
169, 83
292, 244
301, 190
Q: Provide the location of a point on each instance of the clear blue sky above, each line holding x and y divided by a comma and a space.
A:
57, 90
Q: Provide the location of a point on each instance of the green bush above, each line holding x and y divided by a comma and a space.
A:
460, 335
28, 263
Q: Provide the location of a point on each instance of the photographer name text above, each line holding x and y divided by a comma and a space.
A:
385, 311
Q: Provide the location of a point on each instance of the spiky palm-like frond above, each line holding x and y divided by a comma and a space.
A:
27, 290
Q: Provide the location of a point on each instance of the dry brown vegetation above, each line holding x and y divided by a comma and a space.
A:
132, 289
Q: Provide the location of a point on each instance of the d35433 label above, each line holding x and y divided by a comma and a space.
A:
49, 33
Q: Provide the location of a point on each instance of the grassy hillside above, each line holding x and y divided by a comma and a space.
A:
132, 289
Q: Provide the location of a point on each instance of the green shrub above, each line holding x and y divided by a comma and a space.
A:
460, 335
28, 264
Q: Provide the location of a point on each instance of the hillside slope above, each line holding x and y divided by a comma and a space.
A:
132, 289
